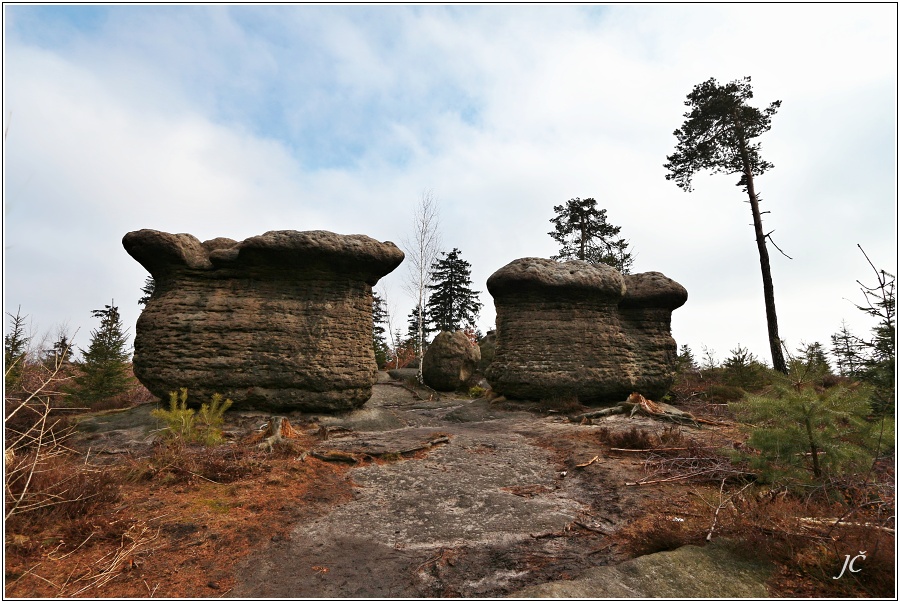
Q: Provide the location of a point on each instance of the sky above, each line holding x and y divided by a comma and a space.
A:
230, 121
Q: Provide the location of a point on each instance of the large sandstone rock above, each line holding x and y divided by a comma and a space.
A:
573, 329
281, 321
449, 361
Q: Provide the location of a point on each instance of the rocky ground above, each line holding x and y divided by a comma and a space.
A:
415, 495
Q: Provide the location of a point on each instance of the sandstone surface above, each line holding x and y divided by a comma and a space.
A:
450, 361
574, 329
281, 321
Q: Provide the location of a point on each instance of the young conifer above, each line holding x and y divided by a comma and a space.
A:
104, 370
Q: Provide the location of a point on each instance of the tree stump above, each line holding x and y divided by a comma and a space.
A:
278, 430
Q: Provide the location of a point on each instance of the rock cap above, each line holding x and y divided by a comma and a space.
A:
161, 252
652, 290
528, 274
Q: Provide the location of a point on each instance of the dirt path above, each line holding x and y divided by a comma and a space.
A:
496, 505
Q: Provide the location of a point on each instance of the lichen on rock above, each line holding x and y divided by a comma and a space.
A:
280, 321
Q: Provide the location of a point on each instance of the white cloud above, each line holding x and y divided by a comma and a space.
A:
230, 122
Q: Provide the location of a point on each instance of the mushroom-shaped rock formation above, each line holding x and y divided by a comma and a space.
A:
574, 329
450, 360
558, 331
280, 321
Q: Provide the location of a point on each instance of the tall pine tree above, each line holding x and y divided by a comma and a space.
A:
584, 234
452, 304
104, 371
718, 135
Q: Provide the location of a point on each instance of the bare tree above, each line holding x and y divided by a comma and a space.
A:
421, 252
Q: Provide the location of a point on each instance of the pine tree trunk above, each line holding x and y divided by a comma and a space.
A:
778, 362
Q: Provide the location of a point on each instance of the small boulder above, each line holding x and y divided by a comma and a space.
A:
450, 361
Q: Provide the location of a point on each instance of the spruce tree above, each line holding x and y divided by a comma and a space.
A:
684, 360
584, 234
413, 331
15, 348
104, 370
452, 304
379, 341
60, 353
847, 350
810, 361
148, 289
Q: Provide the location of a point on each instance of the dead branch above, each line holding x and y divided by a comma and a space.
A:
593, 460
589, 528
139, 537
722, 504
659, 449
668, 479
833, 521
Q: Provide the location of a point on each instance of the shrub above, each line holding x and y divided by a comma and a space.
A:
476, 391
633, 439
743, 369
725, 393
183, 424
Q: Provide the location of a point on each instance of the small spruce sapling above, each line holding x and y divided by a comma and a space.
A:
806, 435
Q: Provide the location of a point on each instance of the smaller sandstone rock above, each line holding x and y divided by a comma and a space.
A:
487, 345
449, 361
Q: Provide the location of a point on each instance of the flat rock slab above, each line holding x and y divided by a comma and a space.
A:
715, 571
464, 495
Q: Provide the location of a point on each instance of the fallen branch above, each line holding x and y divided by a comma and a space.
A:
722, 504
669, 479
593, 460
590, 528
658, 449
836, 520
